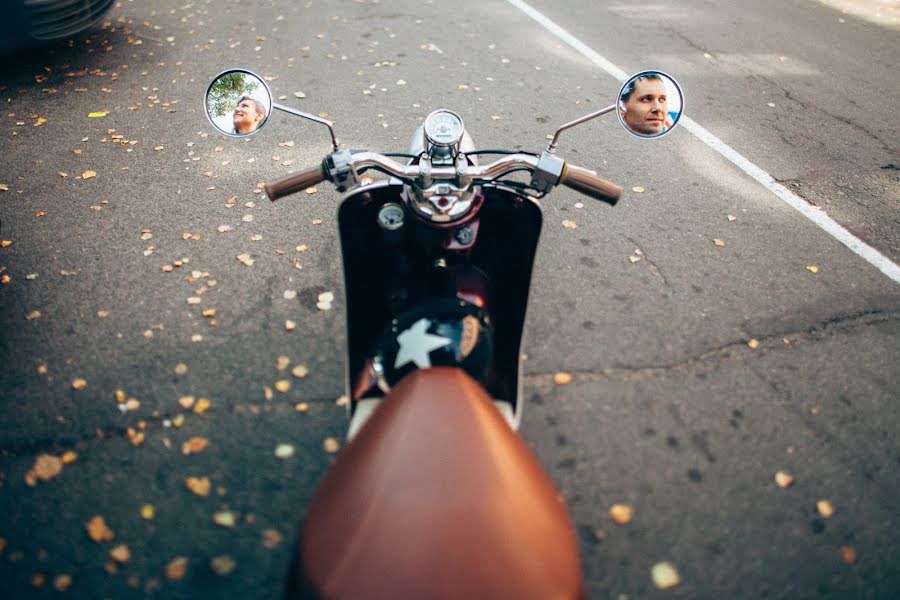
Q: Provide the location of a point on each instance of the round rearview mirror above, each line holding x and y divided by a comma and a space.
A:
650, 104
238, 102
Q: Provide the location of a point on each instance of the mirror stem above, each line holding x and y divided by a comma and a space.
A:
552, 147
317, 119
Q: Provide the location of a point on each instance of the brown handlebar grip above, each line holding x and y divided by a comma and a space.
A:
587, 183
295, 182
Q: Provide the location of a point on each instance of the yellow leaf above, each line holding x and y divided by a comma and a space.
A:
40, 121
812, 269
147, 512
88, 174
637, 189
719, 243
99, 113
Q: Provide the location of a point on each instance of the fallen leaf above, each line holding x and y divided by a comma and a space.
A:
753, 344
62, 582
120, 554
570, 224
198, 485
148, 512
825, 508
784, 480
719, 243
634, 259
300, 371
202, 406
194, 300
225, 518
282, 363
299, 94
621, 513
290, 325
301, 407
46, 467
310, 190
245, 259
562, 378
79, 384
177, 568
290, 294
35, 314
88, 174
222, 565
848, 554
664, 575
186, 402
99, 113
194, 445
158, 148
732, 218
638, 189
331, 445
284, 451
283, 385
271, 539
812, 269
181, 369
247, 218
5, 243
132, 404
98, 530
209, 313
40, 121
69, 457
4, 187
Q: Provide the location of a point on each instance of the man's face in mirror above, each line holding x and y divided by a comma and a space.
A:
645, 109
247, 115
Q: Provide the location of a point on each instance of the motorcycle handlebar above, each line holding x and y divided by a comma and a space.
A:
296, 182
586, 182
577, 178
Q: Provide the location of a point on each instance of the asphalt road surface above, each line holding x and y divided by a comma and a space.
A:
700, 369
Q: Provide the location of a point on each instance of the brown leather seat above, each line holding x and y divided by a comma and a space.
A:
437, 498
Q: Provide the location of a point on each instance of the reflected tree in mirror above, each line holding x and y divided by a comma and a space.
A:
238, 102
650, 104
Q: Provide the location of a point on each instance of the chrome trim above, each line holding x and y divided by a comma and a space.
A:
552, 147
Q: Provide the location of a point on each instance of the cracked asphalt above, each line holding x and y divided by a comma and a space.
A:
699, 371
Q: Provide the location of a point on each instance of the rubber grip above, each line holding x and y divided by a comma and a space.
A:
584, 181
295, 182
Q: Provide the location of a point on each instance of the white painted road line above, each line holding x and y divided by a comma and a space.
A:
819, 217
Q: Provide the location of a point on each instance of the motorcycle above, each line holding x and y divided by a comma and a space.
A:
435, 495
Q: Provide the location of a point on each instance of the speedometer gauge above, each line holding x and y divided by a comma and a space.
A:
444, 128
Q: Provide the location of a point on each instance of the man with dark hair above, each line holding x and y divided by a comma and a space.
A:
248, 115
642, 105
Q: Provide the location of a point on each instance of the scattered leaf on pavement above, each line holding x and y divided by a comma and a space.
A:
331, 445
753, 344
88, 174
664, 575
181, 369
99, 113
848, 554
98, 530
290, 325
120, 554
202, 406
812, 269
69, 457
301, 407
62, 582
300, 371
562, 378
245, 259
198, 485
284, 451
783, 479
148, 512
271, 539
225, 518
282, 363
568, 224
283, 385
177, 568
825, 508
194, 445
186, 402
46, 467
621, 513
638, 189
719, 243
222, 565
35, 314
79, 384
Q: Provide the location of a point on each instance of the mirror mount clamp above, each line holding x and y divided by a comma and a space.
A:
546, 174
340, 170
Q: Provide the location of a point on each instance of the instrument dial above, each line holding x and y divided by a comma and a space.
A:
444, 128
391, 216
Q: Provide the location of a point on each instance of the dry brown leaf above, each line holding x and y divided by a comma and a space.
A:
209, 313
69, 457
621, 513
181, 369
202, 406
568, 224
331, 445
300, 371
177, 568
638, 189
35, 314
719, 243
848, 554
283, 385
225, 518
222, 565
664, 575
282, 363
194, 445
784, 480
186, 402
62, 582
88, 174
98, 530
812, 269
290, 325
825, 508
198, 485
271, 539
46, 467
562, 378
79, 384
245, 259
753, 344
301, 407
120, 554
